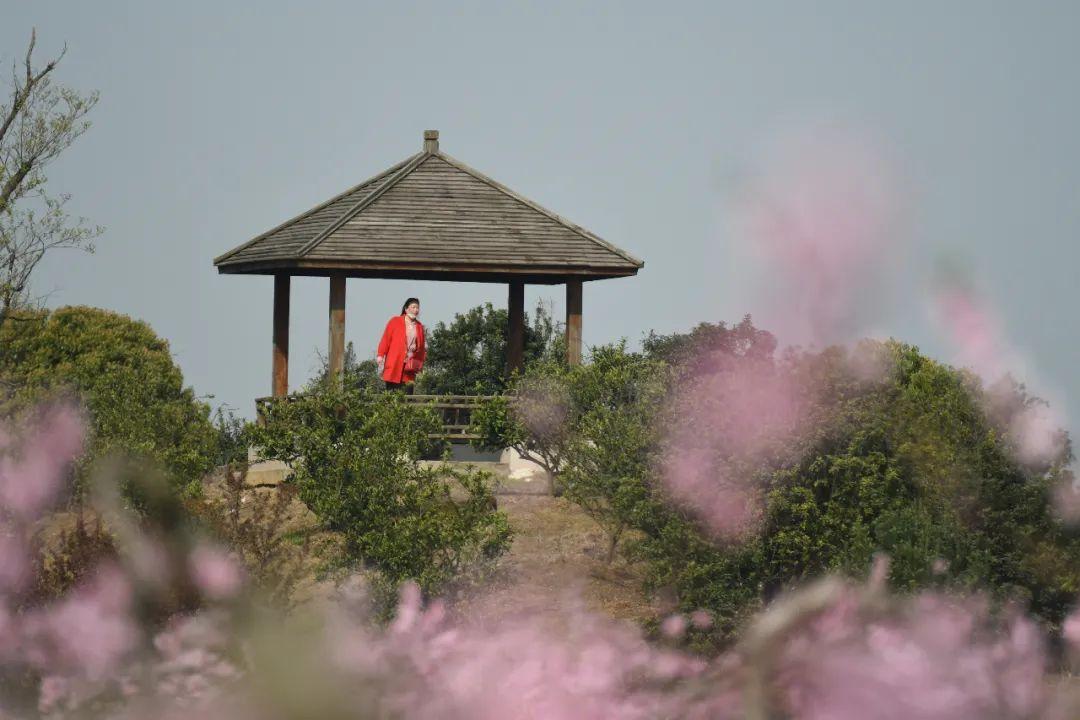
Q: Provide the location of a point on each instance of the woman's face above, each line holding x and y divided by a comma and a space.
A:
413, 310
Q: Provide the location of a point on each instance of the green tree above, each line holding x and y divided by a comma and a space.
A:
612, 455
910, 464
37, 124
468, 356
125, 377
356, 462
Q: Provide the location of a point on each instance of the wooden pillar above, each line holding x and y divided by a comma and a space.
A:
337, 326
515, 348
280, 381
573, 322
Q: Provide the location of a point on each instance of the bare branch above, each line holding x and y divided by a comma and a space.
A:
20, 95
43, 120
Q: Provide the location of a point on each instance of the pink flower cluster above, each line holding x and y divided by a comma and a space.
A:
820, 211
730, 418
937, 658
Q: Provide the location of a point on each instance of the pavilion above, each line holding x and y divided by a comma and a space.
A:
430, 217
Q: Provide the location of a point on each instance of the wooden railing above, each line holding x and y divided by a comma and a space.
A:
455, 411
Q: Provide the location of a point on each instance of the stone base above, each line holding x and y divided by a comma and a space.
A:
523, 470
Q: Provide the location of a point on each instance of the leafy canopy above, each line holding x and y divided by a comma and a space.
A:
468, 356
125, 377
356, 460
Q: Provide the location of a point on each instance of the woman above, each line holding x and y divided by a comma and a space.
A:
402, 349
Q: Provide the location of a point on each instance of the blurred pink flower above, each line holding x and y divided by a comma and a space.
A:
978, 336
821, 210
936, 661
728, 420
673, 626
215, 574
14, 561
1071, 629
31, 478
89, 633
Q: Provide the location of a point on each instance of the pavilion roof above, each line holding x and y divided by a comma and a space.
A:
431, 217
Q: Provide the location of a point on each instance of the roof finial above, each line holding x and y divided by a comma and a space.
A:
431, 141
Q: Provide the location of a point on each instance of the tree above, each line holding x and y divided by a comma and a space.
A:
469, 355
356, 461
911, 462
535, 418
37, 124
124, 376
610, 460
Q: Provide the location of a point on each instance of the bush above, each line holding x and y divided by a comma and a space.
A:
910, 466
610, 461
69, 559
536, 417
356, 462
125, 377
913, 460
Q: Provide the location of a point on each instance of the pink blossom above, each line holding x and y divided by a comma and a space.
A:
90, 632
1071, 629
31, 478
821, 211
729, 419
978, 336
673, 626
216, 574
1067, 499
934, 661
14, 561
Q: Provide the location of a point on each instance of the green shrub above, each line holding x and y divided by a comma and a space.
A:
536, 417
125, 377
913, 460
610, 460
356, 462
911, 466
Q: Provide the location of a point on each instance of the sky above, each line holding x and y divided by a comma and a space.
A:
639, 121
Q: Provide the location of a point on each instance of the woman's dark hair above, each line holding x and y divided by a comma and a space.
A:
409, 302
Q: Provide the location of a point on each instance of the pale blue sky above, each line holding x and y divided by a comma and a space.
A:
220, 120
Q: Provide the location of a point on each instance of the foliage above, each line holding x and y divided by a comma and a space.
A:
123, 374
535, 418
39, 122
908, 464
891, 453
610, 461
71, 557
468, 357
709, 345
356, 461
232, 444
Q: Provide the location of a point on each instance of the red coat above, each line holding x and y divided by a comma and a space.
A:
393, 347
